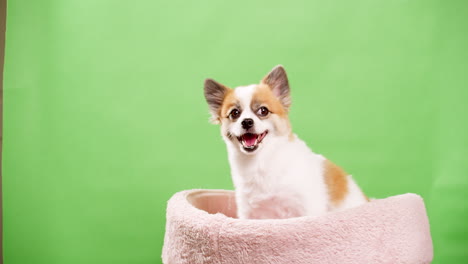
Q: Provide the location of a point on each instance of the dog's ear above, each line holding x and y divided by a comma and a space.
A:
214, 95
278, 83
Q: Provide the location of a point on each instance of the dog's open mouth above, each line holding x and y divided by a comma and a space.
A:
251, 141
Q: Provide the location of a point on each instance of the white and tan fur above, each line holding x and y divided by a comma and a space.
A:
278, 176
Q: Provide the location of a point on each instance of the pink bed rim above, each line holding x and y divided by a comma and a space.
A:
201, 227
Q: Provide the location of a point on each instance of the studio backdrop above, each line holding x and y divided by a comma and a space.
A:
105, 119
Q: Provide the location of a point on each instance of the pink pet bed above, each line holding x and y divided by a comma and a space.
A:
202, 227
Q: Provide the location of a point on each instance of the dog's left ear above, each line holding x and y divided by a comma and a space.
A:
214, 95
278, 83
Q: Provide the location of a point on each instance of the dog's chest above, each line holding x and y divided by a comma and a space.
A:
279, 166
283, 181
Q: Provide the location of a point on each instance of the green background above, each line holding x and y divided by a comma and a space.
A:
104, 115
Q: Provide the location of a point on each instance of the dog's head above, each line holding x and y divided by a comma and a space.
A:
251, 115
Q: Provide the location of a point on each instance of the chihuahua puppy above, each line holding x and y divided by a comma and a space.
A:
275, 174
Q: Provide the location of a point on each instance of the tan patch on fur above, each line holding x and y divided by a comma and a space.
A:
229, 101
336, 181
264, 96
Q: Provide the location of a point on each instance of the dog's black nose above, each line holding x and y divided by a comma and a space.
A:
247, 123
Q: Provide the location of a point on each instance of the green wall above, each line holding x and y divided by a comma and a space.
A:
104, 115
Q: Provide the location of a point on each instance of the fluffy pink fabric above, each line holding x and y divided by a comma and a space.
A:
201, 228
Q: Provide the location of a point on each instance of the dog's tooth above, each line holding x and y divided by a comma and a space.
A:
244, 144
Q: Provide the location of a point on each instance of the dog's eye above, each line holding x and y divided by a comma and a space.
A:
263, 111
234, 114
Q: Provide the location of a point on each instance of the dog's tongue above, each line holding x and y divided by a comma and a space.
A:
249, 139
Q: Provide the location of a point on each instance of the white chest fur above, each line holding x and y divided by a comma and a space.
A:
284, 179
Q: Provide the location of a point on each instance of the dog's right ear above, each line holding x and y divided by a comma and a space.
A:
214, 95
279, 85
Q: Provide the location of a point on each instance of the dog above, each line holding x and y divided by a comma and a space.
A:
275, 174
